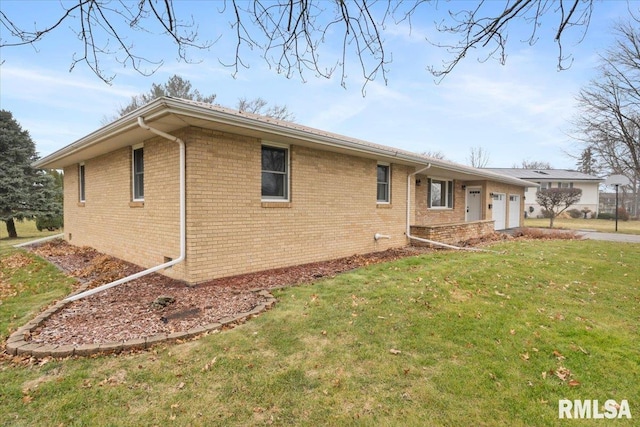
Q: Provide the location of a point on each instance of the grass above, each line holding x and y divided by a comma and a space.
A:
603, 225
445, 338
26, 231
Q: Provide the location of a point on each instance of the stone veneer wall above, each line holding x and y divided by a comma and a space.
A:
451, 233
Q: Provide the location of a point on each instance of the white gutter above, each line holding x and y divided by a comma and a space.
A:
420, 239
183, 222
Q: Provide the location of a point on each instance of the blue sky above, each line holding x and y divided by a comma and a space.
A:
517, 111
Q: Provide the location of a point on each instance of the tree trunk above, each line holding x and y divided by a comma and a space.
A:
11, 228
551, 218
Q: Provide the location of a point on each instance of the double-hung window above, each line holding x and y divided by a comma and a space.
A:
440, 193
81, 183
384, 183
275, 173
138, 173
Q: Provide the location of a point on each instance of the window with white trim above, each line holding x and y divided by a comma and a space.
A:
440, 193
275, 173
384, 183
565, 185
81, 183
137, 169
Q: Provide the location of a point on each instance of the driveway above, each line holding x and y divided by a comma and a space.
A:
587, 234
611, 237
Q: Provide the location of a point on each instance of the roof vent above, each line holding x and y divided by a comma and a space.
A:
541, 172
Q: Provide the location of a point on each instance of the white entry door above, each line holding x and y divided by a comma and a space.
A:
474, 204
514, 210
499, 210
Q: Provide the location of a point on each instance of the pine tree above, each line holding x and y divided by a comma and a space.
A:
25, 192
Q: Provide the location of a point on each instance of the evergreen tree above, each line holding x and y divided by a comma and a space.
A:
25, 192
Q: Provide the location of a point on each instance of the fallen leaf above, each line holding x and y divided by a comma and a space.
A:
573, 383
524, 356
180, 386
27, 399
558, 356
512, 331
394, 351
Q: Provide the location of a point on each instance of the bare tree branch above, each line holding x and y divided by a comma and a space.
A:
296, 37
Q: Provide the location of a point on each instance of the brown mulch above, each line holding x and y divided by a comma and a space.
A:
127, 311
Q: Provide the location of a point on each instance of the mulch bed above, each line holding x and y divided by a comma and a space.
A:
128, 311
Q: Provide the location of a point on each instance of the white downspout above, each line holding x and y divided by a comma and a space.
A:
420, 239
183, 223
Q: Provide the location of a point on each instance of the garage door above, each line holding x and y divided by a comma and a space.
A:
514, 210
499, 210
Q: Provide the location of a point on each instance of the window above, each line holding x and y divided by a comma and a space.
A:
544, 185
565, 185
384, 184
275, 173
138, 173
81, 182
440, 193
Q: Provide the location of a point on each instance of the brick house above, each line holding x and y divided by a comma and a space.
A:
260, 193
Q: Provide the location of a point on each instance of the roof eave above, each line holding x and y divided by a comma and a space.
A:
166, 106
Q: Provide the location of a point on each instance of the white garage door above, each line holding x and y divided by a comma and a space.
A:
499, 210
514, 210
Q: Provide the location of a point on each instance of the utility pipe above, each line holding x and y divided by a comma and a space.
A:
420, 239
183, 226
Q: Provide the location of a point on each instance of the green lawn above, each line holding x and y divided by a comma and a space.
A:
26, 231
603, 225
443, 339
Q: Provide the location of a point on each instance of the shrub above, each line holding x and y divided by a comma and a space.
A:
605, 215
545, 213
574, 213
50, 223
623, 215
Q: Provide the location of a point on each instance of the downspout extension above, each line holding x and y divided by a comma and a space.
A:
420, 239
183, 226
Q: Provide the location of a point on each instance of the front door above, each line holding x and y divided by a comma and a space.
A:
474, 204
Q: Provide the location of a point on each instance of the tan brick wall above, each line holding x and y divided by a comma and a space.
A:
332, 210
425, 215
107, 221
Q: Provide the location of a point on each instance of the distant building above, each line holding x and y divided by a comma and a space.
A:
557, 178
608, 202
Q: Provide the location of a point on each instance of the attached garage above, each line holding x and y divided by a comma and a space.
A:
514, 210
499, 211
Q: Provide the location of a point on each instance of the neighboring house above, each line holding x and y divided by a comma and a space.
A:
261, 193
557, 178
608, 202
